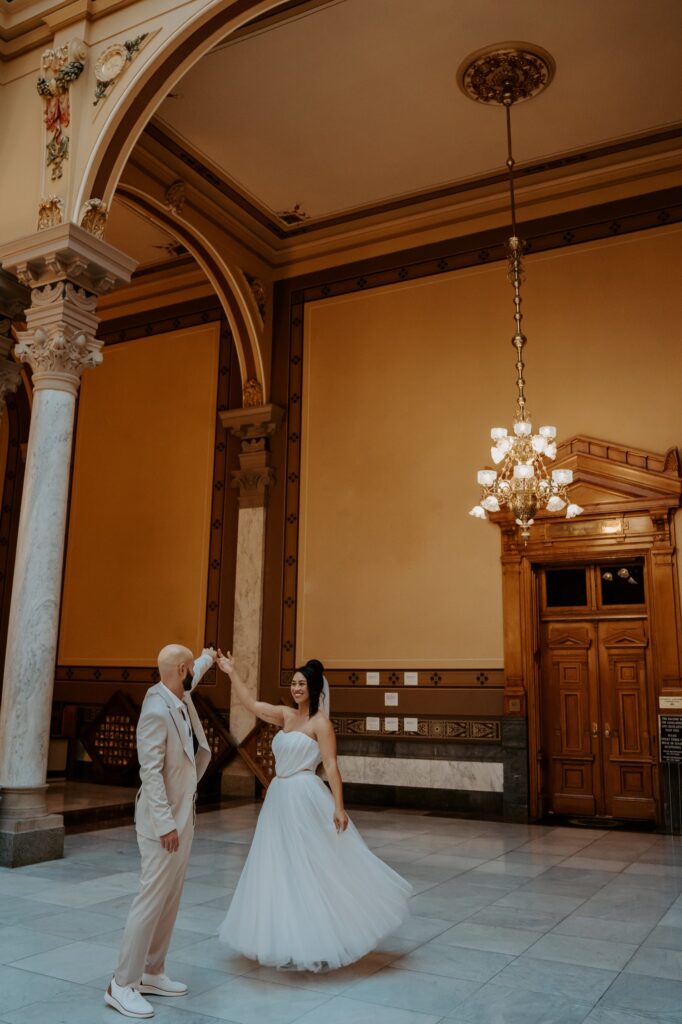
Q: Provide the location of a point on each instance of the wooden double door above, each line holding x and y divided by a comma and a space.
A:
598, 755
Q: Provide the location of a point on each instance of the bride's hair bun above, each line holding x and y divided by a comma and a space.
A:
316, 665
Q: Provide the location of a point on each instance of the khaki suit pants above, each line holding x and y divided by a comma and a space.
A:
152, 915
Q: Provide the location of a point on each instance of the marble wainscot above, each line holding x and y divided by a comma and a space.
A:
486, 779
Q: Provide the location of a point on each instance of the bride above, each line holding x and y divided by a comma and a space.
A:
312, 896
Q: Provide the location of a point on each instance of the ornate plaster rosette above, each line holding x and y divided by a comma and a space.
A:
111, 62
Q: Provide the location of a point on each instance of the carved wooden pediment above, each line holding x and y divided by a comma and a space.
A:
625, 640
568, 641
611, 477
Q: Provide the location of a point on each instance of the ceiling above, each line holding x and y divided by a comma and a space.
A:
347, 105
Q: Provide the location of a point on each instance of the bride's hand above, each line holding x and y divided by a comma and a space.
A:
340, 820
225, 662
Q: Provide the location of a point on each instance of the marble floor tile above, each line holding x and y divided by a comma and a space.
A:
498, 1004
453, 962
214, 955
21, 988
256, 1002
411, 990
342, 1010
514, 917
664, 937
554, 976
660, 998
489, 938
74, 924
597, 928
17, 941
78, 961
527, 900
616, 1015
505, 866
586, 952
414, 932
88, 1007
657, 962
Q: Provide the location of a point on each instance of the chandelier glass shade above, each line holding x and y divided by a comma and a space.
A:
523, 482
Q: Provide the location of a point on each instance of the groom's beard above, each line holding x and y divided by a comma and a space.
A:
187, 682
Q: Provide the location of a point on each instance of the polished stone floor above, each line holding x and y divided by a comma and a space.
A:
511, 923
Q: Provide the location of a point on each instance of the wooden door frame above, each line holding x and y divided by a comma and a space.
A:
630, 497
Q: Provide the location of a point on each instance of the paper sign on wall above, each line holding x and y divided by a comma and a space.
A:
372, 724
411, 679
391, 724
670, 702
390, 700
372, 678
411, 724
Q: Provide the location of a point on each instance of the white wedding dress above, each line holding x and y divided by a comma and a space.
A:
309, 898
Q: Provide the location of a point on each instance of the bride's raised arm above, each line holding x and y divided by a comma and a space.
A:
273, 713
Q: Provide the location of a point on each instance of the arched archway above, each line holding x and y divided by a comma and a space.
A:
235, 297
124, 126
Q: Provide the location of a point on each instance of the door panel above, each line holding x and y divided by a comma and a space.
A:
628, 765
571, 782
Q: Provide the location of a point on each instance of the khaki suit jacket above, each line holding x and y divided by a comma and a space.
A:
169, 769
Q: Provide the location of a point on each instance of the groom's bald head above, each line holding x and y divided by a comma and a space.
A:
174, 660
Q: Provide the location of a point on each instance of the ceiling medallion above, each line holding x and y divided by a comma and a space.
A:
516, 70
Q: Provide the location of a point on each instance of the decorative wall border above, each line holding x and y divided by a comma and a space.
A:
144, 325
606, 220
467, 730
393, 678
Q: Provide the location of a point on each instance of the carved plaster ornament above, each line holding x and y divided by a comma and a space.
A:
50, 212
112, 62
94, 217
61, 346
61, 67
259, 293
252, 394
176, 196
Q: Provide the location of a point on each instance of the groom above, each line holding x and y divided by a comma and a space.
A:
173, 755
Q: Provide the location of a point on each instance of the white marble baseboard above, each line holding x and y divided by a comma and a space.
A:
420, 773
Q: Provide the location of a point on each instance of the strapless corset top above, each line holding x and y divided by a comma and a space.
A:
294, 752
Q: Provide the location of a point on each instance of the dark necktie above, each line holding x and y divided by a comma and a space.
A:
195, 741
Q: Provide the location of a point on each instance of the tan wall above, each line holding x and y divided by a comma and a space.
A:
139, 526
402, 385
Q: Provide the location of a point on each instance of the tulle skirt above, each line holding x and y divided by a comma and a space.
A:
310, 899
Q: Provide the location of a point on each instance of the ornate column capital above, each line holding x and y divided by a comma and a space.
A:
60, 340
254, 426
65, 268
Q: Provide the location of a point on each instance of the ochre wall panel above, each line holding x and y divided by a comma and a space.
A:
401, 386
137, 556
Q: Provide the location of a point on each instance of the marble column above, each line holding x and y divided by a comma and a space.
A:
253, 426
66, 268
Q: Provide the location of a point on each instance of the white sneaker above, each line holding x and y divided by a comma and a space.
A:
127, 1001
162, 985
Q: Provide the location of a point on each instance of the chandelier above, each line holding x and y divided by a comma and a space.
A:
524, 482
